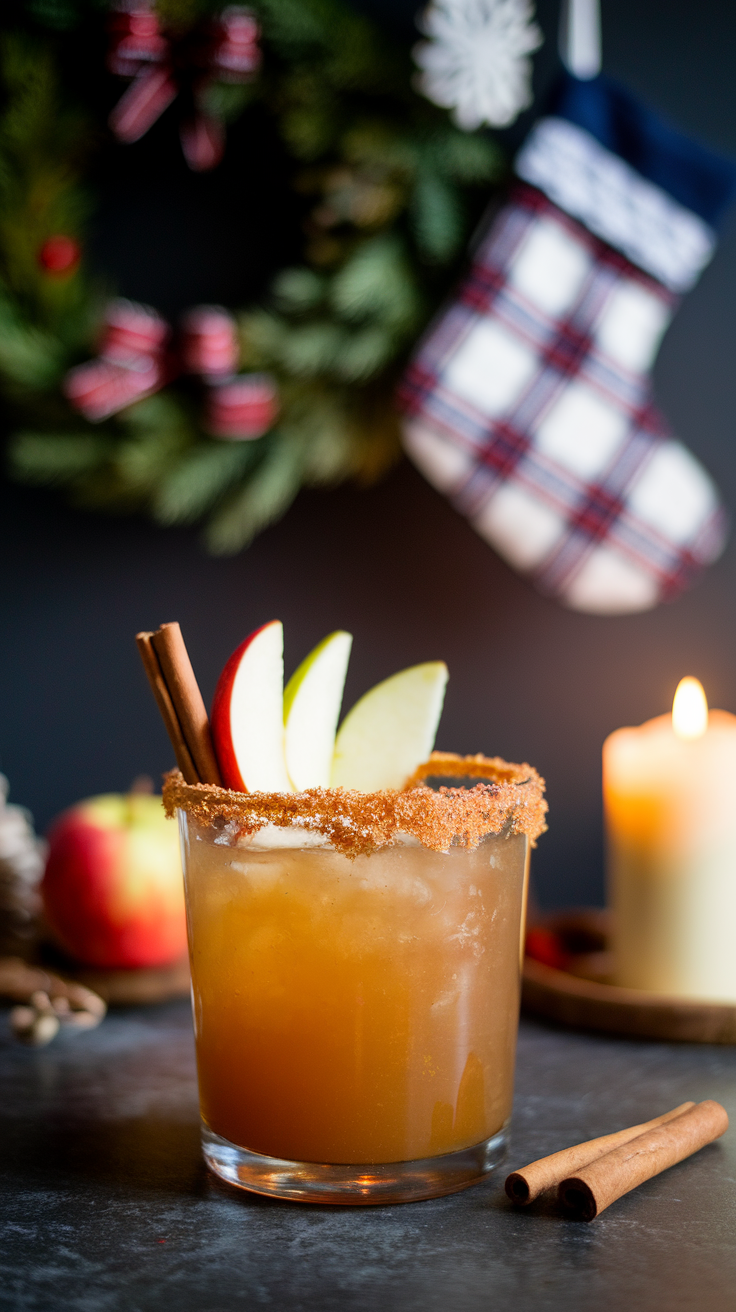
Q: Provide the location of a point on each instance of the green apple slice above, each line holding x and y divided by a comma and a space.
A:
391, 730
312, 700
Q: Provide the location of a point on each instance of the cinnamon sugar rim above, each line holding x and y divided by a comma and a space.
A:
508, 799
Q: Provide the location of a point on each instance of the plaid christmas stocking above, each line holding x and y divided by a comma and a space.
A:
529, 401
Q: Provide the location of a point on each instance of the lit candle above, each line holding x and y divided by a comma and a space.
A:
670, 799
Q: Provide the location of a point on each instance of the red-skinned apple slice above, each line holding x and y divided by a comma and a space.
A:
247, 715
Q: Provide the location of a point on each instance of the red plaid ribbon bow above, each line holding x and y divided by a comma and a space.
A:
136, 359
162, 66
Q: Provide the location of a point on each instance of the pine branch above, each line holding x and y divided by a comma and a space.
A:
331, 457
322, 32
264, 498
226, 100
376, 282
28, 356
200, 479
141, 463
262, 336
296, 291
312, 349
159, 434
56, 458
438, 219
309, 123
364, 354
319, 423
163, 412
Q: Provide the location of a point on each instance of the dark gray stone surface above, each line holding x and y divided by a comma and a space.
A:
106, 1205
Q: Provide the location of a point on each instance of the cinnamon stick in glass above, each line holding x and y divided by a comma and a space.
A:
187, 700
527, 1184
587, 1193
166, 707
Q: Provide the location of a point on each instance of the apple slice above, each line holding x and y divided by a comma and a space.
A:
247, 715
312, 699
391, 730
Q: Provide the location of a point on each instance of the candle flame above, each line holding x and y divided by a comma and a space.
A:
690, 709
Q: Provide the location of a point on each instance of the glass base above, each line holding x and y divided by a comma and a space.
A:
382, 1182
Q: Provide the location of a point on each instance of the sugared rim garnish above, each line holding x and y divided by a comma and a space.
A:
447, 765
509, 800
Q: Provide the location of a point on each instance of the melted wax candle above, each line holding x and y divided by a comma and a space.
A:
670, 801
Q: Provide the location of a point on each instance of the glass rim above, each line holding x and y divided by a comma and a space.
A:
506, 799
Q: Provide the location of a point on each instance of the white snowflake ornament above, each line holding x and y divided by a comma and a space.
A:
476, 59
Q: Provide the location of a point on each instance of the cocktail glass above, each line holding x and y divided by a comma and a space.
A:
355, 1016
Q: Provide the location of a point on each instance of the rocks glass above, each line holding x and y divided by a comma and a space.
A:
355, 981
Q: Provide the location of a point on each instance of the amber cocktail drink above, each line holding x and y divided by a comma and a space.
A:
355, 1014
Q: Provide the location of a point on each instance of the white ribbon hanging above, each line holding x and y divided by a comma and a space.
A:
580, 37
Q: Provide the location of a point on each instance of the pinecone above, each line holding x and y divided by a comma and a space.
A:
22, 859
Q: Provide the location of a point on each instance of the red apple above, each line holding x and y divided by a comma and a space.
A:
247, 717
113, 891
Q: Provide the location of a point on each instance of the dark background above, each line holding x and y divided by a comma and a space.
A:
394, 564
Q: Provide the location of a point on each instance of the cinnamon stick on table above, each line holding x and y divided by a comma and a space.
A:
527, 1184
596, 1186
175, 687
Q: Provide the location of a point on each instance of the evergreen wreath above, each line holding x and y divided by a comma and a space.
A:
391, 190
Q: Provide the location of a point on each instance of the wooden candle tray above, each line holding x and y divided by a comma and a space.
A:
581, 998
